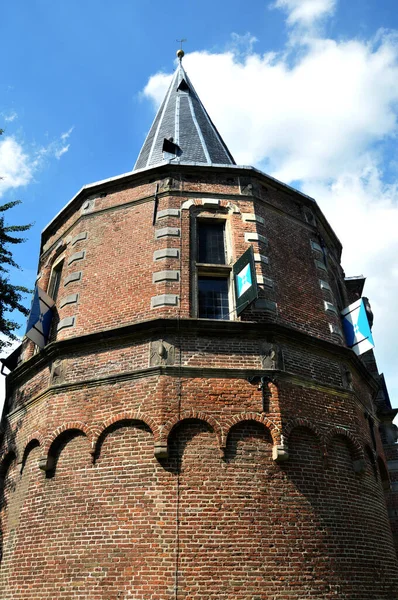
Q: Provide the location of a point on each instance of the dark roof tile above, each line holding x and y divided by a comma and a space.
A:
183, 119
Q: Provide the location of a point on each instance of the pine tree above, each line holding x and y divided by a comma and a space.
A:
11, 296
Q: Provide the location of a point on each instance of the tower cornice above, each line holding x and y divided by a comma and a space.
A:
198, 327
168, 168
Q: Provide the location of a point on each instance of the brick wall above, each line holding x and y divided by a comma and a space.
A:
117, 253
148, 454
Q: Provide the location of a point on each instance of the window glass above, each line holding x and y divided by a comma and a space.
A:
55, 280
213, 298
211, 244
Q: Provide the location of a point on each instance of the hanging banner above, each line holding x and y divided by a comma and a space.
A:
39, 322
246, 290
357, 328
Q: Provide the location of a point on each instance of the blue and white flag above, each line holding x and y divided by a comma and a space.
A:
246, 290
39, 322
356, 328
243, 280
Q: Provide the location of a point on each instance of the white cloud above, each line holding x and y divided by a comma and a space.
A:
156, 87
323, 117
57, 147
242, 45
19, 162
306, 120
16, 166
9, 116
66, 135
305, 12
58, 153
363, 210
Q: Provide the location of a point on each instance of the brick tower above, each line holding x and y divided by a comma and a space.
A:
171, 441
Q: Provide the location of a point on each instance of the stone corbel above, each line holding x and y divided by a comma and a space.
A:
46, 463
161, 353
280, 452
58, 372
161, 450
169, 183
271, 357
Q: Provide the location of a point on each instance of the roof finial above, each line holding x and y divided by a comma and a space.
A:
180, 51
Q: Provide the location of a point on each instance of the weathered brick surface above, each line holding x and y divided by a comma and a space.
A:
157, 440
125, 217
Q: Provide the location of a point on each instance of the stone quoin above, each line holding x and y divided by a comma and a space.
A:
162, 447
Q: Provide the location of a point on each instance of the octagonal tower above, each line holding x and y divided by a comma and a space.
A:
165, 445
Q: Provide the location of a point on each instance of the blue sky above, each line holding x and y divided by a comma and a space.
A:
307, 90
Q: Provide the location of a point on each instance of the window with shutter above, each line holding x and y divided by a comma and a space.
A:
212, 273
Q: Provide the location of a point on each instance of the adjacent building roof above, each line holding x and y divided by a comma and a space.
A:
182, 130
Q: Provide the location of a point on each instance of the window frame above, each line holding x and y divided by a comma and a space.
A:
199, 269
211, 222
57, 267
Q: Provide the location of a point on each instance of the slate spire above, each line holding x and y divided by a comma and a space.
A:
182, 130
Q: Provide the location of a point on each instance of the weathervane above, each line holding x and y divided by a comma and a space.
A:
180, 52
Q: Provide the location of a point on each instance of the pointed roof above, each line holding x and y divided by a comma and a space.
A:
182, 130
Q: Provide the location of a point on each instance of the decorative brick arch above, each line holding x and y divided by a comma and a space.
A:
192, 414
240, 418
188, 203
125, 416
36, 435
69, 426
357, 450
231, 207
47, 461
28, 445
307, 424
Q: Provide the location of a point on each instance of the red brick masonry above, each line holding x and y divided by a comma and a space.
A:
149, 454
